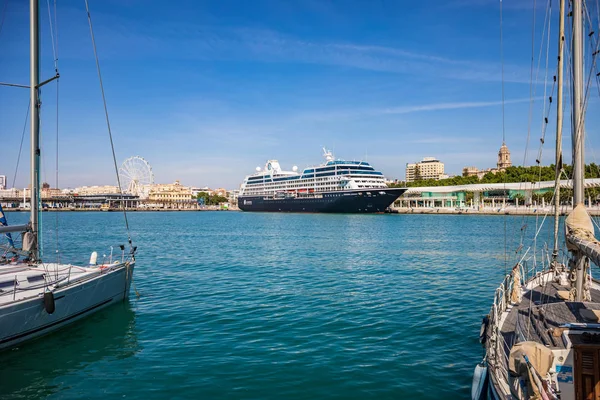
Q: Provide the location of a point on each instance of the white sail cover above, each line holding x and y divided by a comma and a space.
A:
580, 234
579, 224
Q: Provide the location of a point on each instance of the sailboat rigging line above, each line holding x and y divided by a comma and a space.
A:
545, 123
502, 71
21, 145
593, 63
596, 223
594, 49
52, 37
532, 81
112, 146
532, 86
56, 171
558, 167
503, 134
543, 136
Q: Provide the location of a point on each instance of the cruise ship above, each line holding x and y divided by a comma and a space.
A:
337, 186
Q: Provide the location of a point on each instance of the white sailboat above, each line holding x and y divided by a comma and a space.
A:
542, 335
37, 297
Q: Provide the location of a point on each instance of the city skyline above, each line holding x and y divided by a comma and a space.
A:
208, 91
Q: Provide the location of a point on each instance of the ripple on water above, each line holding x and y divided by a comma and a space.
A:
239, 305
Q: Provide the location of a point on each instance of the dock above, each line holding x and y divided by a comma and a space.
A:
511, 210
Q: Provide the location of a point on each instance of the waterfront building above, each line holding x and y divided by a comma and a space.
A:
488, 194
470, 171
427, 168
233, 196
205, 189
48, 192
220, 192
170, 192
501, 165
12, 193
503, 158
2, 182
95, 190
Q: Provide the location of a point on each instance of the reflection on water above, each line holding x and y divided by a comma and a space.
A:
41, 367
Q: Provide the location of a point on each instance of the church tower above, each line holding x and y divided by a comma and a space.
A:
504, 158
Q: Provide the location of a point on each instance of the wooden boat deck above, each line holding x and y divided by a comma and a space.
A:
541, 314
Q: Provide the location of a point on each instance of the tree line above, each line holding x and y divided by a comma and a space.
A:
211, 200
510, 175
514, 175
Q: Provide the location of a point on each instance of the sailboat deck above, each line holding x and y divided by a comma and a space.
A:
22, 281
542, 314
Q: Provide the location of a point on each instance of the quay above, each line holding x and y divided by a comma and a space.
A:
520, 198
511, 210
196, 207
108, 202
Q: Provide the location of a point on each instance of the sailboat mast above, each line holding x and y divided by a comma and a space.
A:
559, 123
578, 114
35, 123
579, 260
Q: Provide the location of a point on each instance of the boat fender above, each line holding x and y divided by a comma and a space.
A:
49, 302
479, 387
483, 330
93, 258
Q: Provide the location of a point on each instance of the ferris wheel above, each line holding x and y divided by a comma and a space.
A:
136, 176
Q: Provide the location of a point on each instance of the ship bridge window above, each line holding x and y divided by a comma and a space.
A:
337, 162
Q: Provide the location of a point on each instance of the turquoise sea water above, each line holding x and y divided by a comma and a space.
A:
271, 306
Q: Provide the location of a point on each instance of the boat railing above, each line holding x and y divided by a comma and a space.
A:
502, 300
498, 350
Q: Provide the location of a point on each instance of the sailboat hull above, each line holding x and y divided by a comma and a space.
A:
27, 319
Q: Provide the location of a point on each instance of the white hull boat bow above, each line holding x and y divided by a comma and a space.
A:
38, 300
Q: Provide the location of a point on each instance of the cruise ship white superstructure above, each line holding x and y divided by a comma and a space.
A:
335, 186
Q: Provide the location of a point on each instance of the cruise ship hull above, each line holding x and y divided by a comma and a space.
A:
350, 201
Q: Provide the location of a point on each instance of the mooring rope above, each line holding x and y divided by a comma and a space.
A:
112, 146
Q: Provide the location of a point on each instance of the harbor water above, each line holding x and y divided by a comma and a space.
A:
269, 306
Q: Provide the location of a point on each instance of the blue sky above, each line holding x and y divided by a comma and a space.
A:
208, 90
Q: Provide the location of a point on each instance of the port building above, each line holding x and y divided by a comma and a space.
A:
484, 194
427, 168
503, 162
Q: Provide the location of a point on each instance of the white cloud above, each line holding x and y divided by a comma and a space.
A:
448, 106
131, 39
